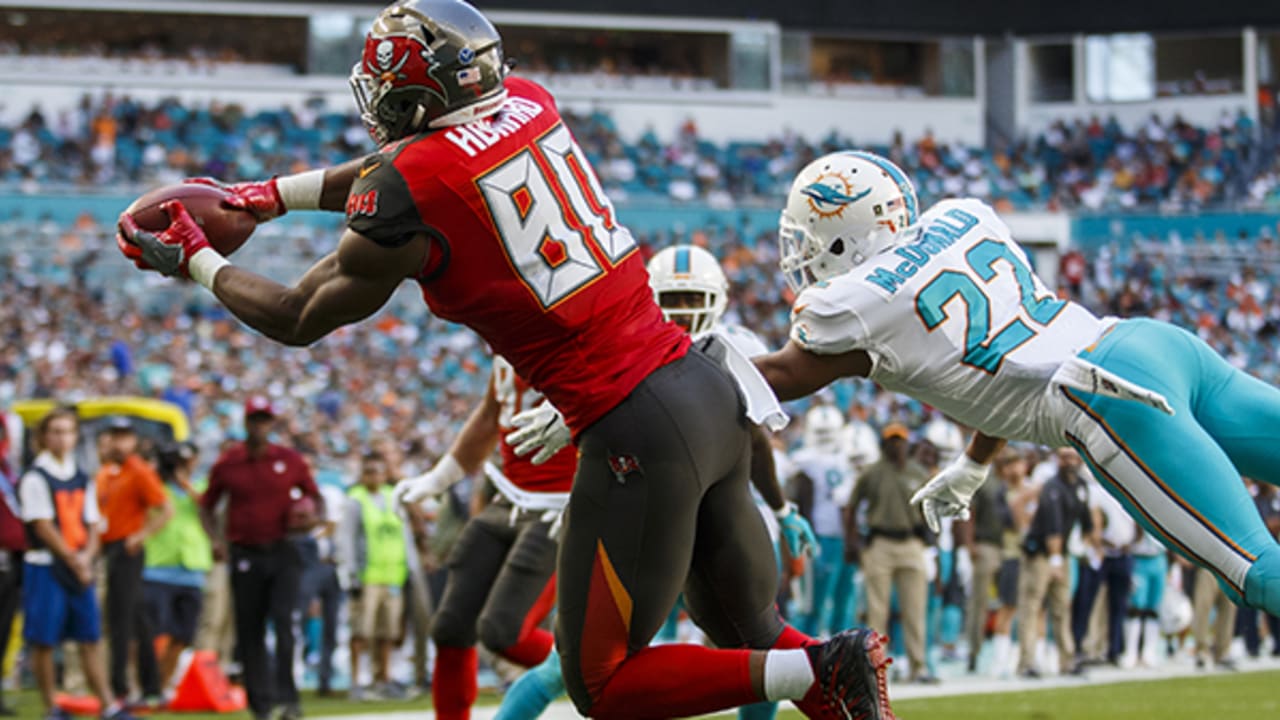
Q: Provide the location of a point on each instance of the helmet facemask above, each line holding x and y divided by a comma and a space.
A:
696, 309
690, 287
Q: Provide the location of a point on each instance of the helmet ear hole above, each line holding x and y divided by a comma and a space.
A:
837, 247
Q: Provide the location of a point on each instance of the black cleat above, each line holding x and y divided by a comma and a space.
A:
849, 671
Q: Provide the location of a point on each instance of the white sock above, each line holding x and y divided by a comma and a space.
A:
787, 674
1153, 642
1132, 634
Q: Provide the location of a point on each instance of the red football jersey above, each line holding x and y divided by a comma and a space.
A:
526, 251
515, 396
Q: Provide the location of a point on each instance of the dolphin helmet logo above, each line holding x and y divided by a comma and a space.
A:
830, 193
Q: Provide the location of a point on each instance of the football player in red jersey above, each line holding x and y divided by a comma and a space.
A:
480, 194
501, 570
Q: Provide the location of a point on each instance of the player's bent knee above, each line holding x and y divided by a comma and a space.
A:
496, 634
450, 630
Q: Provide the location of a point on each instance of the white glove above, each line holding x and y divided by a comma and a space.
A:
414, 490
948, 493
541, 428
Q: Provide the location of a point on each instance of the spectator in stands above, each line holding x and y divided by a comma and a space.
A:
320, 594
1213, 622
258, 478
982, 537
135, 506
1112, 570
894, 557
1062, 504
374, 563
417, 593
60, 509
216, 628
179, 558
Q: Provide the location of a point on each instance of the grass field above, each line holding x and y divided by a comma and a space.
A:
1217, 697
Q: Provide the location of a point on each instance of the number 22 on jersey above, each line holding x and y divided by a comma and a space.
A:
983, 349
556, 225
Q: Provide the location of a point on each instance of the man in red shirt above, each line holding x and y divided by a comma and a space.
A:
480, 194
260, 480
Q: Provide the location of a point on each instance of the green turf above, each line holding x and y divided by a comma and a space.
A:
1247, 695
1219, 697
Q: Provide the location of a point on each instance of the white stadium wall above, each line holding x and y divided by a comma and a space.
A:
721, 116
1205, 111
753, 117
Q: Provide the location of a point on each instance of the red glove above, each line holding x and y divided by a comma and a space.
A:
260, 199
168, 251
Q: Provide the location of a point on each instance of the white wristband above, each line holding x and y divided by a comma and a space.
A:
301, 191
203, 267
450, 470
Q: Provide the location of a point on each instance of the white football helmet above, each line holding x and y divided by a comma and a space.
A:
689, 286
822, 429
842, 209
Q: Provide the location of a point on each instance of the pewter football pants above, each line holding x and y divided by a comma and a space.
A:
1179, 475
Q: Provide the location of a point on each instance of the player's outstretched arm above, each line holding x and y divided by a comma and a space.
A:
466, 455
794, 372
764, 476
764, 473
342, 288
322, 189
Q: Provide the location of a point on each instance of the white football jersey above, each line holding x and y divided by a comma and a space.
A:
953, 316
832, 487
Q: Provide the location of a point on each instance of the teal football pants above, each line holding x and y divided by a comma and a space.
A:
1179, 475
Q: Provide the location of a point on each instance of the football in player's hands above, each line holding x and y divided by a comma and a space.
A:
226, 228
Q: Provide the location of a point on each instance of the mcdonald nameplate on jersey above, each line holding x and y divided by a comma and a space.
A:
936, 237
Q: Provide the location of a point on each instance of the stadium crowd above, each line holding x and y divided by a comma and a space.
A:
1165, 164
406, 376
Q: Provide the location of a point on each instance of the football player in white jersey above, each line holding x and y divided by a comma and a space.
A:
693, 292
943, 306
822, 485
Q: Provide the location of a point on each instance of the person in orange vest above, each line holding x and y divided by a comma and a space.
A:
133, 501
60, 510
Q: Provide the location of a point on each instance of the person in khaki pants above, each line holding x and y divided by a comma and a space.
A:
1042, 575
894, 555
983, 539
1210, 604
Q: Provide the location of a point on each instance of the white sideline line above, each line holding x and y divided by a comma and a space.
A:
951, 687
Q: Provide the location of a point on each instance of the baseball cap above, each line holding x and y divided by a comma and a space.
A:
117, 423
258, 405
893, 430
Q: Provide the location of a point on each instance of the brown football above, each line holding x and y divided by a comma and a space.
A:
226, 228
